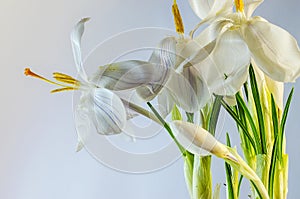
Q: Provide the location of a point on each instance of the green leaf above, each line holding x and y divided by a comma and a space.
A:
176, 115
240, 123
283, 122
242, 105
272, 167
239, 185
229, 173
261, 124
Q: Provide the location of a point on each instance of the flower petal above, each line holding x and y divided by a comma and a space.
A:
189, 94
274, 50
107, 111
165, 103
201, 7
76, 35
83, 126
164, 58
250, 6
197, 140
210, 8
128, 75
226, 68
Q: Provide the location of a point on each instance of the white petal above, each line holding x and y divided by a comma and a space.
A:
164, 57
107, 111
76, 35
165, 103
209, 8
226, 68
210, 33
190, 97
274, 50
129, 74
250, 6
83, 124
195, 139
219, 9
201, 7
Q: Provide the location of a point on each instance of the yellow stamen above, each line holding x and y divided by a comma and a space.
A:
239, 5
65, 79
74, 84
177, 18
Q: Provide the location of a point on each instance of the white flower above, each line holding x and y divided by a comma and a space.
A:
237, 37
99, 106
182, 86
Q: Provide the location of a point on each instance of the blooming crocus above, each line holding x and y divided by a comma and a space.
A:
237, 37
99, 106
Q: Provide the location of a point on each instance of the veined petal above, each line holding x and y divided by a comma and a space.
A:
195, 139
226, 68
250, 6
107, 111
274, 50
76, 35
128, 75
163, 58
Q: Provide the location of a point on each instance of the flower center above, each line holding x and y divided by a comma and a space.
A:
67, 82
239, 5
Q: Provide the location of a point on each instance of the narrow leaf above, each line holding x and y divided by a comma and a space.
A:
260, 117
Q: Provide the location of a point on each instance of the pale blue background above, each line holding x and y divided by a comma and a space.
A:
38, 139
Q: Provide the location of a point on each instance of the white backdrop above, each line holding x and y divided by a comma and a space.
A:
38, 138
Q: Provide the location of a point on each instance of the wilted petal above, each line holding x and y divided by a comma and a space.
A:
226, 68
250, 6
195, 139
107, 111
274, 50
76, 35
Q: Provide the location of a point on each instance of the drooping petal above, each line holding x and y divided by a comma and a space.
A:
195, 139
128, 75
226, 68
76, 35
250, 6
106, 111
274, 50
164, 58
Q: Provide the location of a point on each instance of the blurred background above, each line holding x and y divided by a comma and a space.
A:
38, 136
